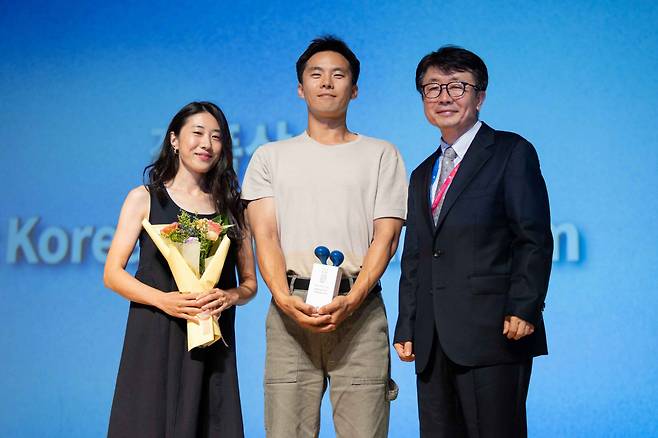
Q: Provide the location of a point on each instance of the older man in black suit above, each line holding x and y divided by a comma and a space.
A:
476, 261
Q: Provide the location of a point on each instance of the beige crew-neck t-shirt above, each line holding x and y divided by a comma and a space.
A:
327, 195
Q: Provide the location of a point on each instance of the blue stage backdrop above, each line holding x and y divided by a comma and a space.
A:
88, 88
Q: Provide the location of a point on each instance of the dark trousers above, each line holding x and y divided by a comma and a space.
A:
455, 401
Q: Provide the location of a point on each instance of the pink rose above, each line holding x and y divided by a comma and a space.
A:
214, 230
214, 227
169, 229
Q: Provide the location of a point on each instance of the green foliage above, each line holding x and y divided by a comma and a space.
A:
190, 225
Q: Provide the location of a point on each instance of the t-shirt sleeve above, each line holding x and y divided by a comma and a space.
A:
257, 181
391, 198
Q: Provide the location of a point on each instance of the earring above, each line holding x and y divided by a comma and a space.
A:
175, 151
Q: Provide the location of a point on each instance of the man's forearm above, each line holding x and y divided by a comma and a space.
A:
272, 265
376, 260
271, 261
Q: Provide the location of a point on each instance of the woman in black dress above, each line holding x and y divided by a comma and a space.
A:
162, 390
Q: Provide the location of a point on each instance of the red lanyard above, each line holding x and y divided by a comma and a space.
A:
444, 188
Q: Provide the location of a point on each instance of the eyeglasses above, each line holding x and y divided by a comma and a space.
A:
433, 90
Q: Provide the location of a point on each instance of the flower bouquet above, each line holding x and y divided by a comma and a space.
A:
195, 250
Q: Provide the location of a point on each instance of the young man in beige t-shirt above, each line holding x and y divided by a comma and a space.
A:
335, 188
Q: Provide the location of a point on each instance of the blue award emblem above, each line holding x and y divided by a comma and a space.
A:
322, 253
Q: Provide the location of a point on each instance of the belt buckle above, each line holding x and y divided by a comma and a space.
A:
291, 283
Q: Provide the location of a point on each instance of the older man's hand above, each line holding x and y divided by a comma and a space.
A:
514, 328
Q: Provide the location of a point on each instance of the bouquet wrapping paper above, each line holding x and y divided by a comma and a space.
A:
206, 332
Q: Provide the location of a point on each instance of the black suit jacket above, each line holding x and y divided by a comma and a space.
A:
489, 255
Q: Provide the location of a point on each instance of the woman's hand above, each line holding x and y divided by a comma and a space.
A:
217, 300
180, 305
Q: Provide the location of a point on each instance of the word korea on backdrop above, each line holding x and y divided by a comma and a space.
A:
52, 244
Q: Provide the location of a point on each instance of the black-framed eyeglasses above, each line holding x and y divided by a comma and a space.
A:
433, 90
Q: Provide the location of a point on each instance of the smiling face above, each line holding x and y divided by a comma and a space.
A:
198, 143
327, 85
453, 116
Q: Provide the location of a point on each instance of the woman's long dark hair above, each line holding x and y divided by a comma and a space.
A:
220, 181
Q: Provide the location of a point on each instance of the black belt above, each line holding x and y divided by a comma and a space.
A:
303, 283
345, 284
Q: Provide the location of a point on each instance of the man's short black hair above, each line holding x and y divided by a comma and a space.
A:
453, 59
329, 43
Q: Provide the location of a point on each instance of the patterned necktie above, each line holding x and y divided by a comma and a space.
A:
447, 164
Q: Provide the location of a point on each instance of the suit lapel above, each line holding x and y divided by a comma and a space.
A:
477, 154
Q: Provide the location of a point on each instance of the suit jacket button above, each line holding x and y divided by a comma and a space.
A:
437, 253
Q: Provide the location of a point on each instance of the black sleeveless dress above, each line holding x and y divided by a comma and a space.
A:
162, 390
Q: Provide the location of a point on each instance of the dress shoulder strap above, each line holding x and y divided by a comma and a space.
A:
162, 209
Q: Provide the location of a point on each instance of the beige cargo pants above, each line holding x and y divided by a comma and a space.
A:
354, 361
